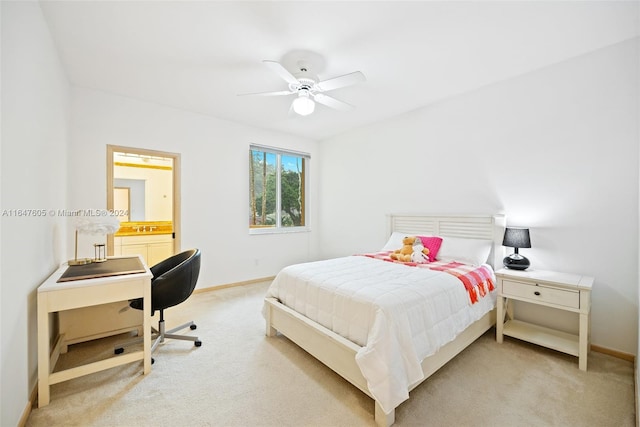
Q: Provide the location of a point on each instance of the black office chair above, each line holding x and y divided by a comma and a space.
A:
174, 279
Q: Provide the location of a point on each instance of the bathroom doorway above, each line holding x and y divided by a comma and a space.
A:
143, 188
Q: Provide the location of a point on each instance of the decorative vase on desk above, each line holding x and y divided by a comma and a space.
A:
100, 222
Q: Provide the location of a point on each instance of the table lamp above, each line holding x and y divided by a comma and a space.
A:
93, 225
516, 238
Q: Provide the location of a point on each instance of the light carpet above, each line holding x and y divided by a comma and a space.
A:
239, 377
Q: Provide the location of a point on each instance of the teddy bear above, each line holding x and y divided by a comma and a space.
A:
404, 253
412, 250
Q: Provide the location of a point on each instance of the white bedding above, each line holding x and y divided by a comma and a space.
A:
398, 314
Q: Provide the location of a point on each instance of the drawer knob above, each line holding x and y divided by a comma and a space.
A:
536, 293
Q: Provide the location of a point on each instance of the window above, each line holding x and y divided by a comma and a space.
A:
277, 184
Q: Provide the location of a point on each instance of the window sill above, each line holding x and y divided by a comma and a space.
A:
258, 231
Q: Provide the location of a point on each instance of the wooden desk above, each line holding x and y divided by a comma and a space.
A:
54, 296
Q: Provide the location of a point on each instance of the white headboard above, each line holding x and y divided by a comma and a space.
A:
484, 227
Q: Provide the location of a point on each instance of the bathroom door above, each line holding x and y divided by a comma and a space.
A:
150, 214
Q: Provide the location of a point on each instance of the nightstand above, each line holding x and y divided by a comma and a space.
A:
569, 292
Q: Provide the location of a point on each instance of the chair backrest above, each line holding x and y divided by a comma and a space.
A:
174, 279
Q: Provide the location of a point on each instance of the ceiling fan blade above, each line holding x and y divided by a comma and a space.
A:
332, 102
281, 71
341, 81
277, 93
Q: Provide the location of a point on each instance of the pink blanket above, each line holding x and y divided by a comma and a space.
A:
476, 280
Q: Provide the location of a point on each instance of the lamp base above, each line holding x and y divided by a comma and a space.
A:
516, 262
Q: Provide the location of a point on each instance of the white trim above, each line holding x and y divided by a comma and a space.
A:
281, 151
278, 230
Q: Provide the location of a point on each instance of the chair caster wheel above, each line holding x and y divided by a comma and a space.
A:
153, 360
118, 350
198, 343
193, 327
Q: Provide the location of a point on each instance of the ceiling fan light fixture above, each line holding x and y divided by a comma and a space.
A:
303, 105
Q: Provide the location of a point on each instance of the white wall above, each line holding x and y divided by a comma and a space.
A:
215, 186
555, 150
35, 108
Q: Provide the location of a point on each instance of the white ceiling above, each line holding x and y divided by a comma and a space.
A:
200, 55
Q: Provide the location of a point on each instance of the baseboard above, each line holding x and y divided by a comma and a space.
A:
635, 389
30, 405
615, 353
231, 285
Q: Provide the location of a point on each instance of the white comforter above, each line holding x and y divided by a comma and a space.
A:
398, 314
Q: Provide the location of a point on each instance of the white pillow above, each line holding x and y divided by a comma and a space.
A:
395, 241
466, 251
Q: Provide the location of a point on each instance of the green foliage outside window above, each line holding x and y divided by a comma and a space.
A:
276, 179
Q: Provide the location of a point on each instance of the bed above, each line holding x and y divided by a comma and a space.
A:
362, 317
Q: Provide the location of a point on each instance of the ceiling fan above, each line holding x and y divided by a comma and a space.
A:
308, 88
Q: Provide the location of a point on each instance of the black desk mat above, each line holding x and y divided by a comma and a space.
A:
110, 267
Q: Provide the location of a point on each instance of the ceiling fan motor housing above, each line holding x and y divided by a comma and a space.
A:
304, 83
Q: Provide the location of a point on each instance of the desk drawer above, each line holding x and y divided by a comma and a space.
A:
541, 293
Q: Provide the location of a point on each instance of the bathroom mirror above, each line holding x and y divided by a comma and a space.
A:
143, 187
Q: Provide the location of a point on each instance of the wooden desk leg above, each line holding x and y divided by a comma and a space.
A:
146, 326
500, 319
43, 351
583, 345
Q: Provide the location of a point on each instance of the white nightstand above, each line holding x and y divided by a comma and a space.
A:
569, 292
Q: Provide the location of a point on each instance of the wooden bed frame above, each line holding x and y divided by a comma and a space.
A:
339, 353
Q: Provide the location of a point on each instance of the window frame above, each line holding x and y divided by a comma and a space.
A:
279, 228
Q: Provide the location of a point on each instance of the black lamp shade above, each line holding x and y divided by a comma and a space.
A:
516, 238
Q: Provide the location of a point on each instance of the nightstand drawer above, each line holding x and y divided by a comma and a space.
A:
545, 294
